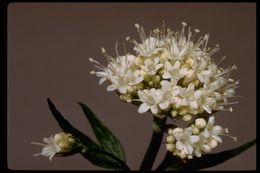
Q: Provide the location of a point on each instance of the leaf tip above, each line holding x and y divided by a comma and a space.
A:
48, 100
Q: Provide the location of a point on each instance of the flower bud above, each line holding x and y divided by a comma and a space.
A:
170, 131
200, 123
126, 97
139, 86
174, 113
183, 111
213, 143
156, 79
195, 130
170, 139
58, 137
164, 56
187, 117
130, 89
147, 77
71, 140
196, 82
63, 145
170, 147
138, 61
189, 62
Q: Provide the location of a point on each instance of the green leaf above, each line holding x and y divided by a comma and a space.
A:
105, 137
205, 161
67, 127
104, 159
94, 153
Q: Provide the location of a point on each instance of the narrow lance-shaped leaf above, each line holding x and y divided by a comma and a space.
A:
205, 161
103, 134
104, 159
94, 153
67, 127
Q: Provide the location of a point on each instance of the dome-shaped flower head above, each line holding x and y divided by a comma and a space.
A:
170, 73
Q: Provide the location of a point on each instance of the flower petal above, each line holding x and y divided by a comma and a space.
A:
207, 108
111, 87
194, 139
168, 66
206, 148
176, 90
197, 153
206, 133
102, 80
211, 121
217, 128
188, 148
143, 108
194, 104
177, 65
158, 66
166, 75
154, 109
217, 138
123, 89
139, 79
179, 145
164, 105
197, 94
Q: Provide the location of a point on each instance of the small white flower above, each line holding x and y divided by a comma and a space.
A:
150, 100
172, 71
190, 97
120, 72
179, 48
123, 79
185, 140
49, 148
170, 90
151, 65
59, 144
215, 131
148, 47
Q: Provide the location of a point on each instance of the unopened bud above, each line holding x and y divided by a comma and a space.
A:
174, 113
183, 111
195, 130
200, 123
189, 61
170, 139
126, 97
138, 61
187, 117
212, 143
170, 147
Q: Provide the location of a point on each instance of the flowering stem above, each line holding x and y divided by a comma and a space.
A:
154, 145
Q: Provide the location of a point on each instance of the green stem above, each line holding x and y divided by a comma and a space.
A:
154, 145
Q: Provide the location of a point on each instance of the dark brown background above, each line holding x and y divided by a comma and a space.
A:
48, 49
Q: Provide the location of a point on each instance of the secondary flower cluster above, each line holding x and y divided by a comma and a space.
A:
170, 74
61, 144
197, 139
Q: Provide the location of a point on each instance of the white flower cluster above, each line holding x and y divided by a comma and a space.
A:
194, 140
170, 74
61, 143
